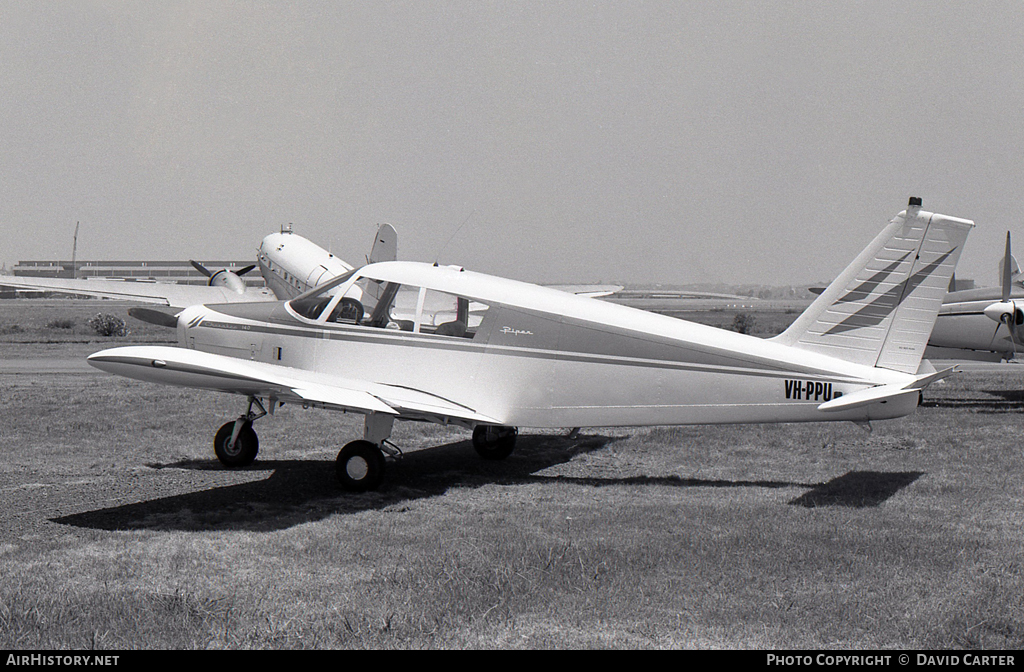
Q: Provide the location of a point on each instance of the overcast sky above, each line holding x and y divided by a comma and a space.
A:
673, 142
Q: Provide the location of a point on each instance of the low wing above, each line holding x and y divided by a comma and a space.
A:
208, 371
159, 293
593, 291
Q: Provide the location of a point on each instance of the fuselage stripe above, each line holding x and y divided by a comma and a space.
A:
358, 334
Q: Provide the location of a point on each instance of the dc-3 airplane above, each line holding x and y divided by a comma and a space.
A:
289, 263
446, 345
965, 321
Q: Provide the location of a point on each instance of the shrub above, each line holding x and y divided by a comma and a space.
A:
64, 323
108, 325
743, 323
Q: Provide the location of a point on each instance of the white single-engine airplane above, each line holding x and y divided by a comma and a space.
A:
492, 354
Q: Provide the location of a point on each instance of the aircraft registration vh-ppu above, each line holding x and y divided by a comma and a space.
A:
442, 344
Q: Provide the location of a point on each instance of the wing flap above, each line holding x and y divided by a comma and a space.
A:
413, 402
339, 397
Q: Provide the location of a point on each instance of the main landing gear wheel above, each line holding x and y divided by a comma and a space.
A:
243, 451
360, 466
494, 443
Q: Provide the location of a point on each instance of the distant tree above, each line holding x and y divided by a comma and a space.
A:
743, 323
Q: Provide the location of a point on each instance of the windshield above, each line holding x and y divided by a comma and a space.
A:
312, 303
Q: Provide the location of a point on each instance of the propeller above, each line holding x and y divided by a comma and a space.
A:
153, 316
1006, 311
224, 278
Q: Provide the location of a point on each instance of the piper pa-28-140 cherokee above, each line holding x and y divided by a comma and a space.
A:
446, 345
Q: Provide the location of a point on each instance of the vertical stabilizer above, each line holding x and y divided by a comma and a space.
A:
385, 245
881, 309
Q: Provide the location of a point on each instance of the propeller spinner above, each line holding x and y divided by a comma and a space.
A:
153, 316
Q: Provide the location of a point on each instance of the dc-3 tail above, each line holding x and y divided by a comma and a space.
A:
880, 311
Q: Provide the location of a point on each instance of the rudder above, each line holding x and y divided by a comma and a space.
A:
880, 310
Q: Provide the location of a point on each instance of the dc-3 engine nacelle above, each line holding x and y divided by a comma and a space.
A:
224, 277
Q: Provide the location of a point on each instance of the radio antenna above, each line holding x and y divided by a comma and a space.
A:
445, 246
74, 253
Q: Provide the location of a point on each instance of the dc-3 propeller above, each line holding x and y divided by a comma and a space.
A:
222, 278
1007, 312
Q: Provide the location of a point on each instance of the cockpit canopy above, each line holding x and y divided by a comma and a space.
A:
355, 299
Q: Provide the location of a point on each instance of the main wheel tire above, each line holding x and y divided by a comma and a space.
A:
493, 442
360, 466
242, 454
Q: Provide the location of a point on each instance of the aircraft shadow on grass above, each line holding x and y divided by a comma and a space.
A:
301, 491
998, 401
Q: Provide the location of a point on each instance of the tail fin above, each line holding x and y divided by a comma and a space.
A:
880, 311
385, 245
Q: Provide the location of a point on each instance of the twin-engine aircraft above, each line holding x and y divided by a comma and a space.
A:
414, 341
983, 320
289, 263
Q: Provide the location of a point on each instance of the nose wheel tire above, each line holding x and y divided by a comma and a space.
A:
244, 450
494, 443
360, 466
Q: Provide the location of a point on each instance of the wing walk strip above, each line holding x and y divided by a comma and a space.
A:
557, 355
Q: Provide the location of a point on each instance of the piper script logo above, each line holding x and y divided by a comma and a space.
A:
516, 332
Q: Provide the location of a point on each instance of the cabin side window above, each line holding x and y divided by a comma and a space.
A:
447, 314
390, 305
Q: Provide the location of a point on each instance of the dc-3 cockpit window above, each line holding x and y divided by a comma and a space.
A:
349, 299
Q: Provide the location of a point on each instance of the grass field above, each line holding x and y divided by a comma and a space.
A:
122, 531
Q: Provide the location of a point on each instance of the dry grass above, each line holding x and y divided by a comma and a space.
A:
122, 532
67, 321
